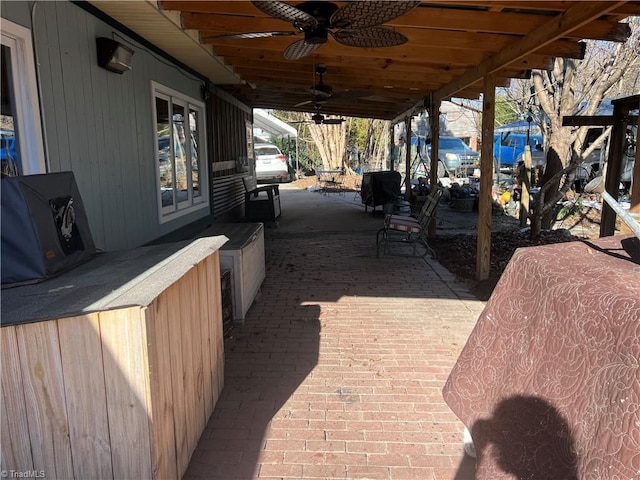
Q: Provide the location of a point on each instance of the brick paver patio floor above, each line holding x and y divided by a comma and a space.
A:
338, 370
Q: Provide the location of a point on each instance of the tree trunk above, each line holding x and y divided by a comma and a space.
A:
331, 141
554, 165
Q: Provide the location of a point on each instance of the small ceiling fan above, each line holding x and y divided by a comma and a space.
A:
319, 119
320, 92
356, 24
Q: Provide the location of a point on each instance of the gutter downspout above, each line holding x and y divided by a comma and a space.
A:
43, 124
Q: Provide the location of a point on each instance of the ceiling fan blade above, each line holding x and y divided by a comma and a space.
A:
332, 121
322, 92
300, 49
371, 37
303, 103
286, 12
361, 14
253, 35
318, 101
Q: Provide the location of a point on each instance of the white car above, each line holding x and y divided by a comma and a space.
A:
271, 164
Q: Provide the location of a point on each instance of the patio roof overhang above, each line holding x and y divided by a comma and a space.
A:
451, 45
460, 48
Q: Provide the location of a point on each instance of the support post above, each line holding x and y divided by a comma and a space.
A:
297, 157
392, 147
614, 167
434, 121
525, 183
483, 251
407, 177
635, 184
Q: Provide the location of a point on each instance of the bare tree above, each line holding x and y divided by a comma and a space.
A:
331, 141
376, 143
571, 86
517, 100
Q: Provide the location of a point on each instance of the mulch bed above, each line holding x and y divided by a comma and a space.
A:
457, 253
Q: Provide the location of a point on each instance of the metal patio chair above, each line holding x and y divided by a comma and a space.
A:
409, 230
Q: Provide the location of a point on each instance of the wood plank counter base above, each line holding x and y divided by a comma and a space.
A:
113, 369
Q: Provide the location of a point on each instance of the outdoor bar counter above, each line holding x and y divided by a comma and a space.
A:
112, 369
549, 380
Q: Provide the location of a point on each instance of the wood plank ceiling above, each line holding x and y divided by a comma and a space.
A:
451, 44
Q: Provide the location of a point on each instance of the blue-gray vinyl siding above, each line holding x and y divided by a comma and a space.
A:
99, 124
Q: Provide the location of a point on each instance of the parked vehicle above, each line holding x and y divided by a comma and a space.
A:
593, 165
455, 157
629, 157
8, 154
508, 149
271, 163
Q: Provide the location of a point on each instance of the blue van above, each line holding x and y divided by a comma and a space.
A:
508, 148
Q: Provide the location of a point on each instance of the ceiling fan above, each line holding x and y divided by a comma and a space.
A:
319, 119
320, 92
356, 24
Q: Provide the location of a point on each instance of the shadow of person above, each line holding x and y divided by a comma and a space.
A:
526, 437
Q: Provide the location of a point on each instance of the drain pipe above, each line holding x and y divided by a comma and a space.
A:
43, 125
622, 213
597, 186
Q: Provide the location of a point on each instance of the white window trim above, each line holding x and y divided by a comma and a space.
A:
166, 214
27, 116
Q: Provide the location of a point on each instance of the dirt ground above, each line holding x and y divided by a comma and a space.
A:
350, 182
457, 252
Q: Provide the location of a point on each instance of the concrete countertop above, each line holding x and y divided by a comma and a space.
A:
108, 281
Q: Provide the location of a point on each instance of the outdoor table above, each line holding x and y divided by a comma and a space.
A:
549, 380
331, 180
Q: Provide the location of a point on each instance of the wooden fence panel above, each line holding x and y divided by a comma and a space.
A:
177, 377
14, 430
125, 367
163, 438
42, 379
85, 394
196, 320
205, 312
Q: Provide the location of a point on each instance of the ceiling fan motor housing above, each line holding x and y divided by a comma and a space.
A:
321, 11
316, 35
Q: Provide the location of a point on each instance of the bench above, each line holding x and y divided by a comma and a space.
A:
261, 204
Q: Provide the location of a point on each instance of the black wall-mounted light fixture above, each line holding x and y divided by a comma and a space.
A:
113, 55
